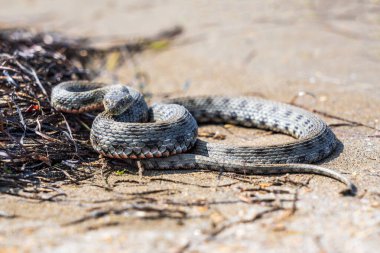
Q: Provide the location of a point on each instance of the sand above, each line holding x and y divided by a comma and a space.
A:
273, 49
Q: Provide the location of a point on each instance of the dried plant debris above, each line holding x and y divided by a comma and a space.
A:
38, 144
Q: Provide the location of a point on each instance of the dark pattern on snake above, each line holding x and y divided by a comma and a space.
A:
159, 136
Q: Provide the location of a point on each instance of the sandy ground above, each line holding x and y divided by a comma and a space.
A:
268, 48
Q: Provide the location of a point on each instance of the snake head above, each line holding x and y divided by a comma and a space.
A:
117, 100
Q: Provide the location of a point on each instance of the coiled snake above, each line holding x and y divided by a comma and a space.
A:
160, 136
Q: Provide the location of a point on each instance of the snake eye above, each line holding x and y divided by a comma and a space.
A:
107, 104
117, 101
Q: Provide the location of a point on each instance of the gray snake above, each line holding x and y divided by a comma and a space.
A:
160, 137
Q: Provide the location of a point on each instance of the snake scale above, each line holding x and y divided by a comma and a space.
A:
164, 136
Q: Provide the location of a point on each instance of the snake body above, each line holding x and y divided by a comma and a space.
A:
161, 137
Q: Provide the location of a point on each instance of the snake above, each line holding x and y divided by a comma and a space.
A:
165, 135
